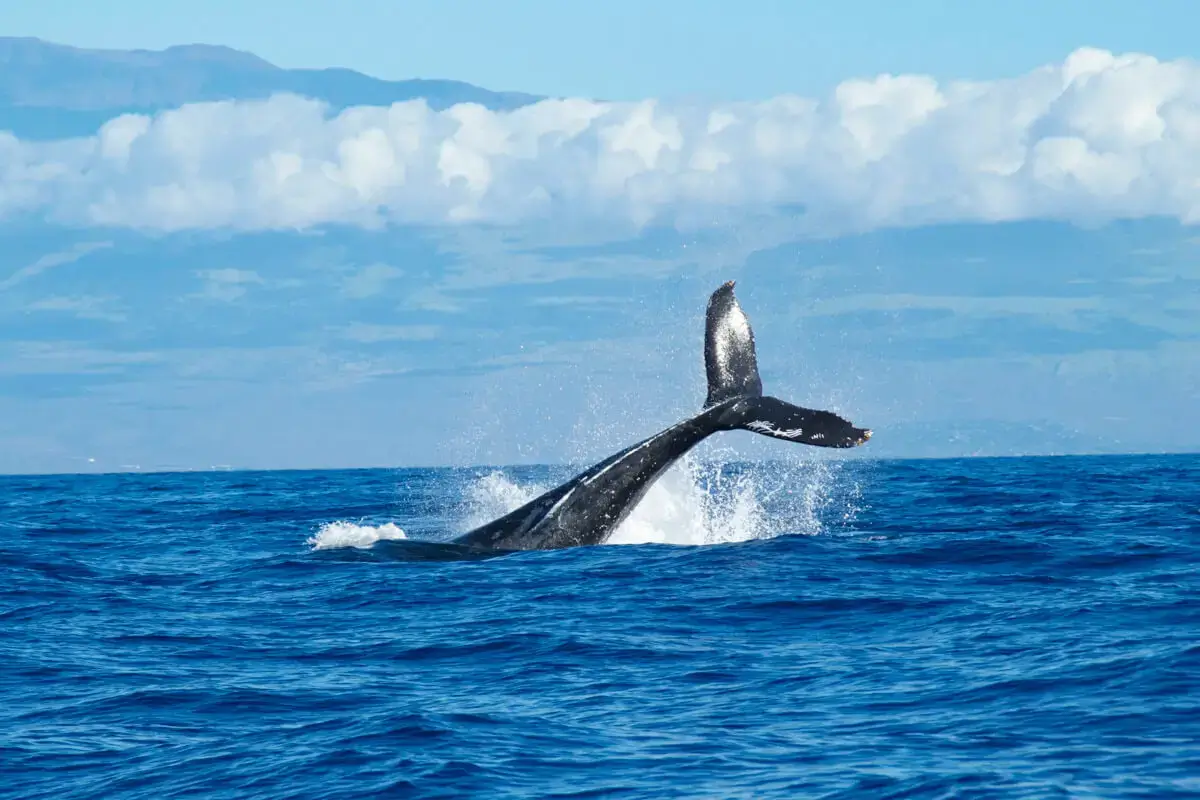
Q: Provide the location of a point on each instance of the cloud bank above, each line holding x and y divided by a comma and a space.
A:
1097, 137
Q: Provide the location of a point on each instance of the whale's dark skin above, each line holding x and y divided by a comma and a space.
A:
588, 508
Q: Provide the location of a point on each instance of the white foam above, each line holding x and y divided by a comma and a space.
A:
349, 534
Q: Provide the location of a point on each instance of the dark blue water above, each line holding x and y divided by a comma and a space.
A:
976, 628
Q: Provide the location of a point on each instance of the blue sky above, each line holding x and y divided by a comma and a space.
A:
628, 49
991, 250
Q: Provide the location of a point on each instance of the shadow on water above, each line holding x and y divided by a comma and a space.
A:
417, 550
411, 550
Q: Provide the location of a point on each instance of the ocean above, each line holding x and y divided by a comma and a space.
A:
1011, 628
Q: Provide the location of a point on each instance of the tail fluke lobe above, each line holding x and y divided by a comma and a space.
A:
729, 357
734, 385
778, 419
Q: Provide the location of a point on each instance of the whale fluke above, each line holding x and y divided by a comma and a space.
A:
732, 367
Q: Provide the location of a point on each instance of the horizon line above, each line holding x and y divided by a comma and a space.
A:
569, 465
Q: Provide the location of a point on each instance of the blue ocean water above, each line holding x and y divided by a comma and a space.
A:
966, 628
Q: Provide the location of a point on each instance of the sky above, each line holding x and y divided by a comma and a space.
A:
988, 250
629, 49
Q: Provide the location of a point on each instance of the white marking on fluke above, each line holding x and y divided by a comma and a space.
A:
771, 430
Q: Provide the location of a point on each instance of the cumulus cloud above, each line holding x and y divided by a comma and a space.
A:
1098, 136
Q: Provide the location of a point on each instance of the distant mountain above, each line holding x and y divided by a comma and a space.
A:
50, 90
955, 438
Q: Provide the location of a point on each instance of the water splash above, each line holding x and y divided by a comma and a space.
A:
702, 502
715, 501
695, 504
493, 495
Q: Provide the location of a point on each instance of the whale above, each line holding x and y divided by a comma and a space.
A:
589, 507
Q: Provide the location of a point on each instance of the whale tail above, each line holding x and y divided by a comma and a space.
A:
732, 368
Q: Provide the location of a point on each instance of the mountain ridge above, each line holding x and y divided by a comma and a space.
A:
50, 90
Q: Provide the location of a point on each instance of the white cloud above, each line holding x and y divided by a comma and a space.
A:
227, 284
370, 334
369, 281
83, 306
50, 261
1096, 137
30, 357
